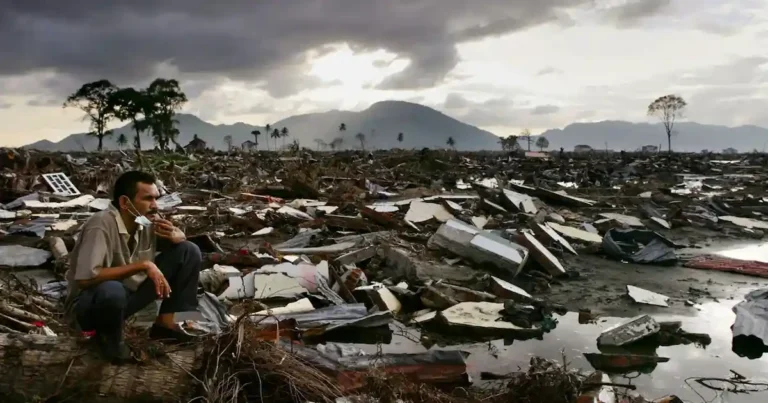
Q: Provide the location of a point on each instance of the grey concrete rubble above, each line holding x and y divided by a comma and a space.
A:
455, 248
629, 331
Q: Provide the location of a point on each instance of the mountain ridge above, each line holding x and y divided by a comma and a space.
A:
427, 127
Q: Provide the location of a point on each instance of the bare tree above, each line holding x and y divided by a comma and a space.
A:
526, 136
228, 142
400, 137
361, 138
451, 142
668, 109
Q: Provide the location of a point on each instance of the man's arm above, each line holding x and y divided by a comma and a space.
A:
94, 255
113, 273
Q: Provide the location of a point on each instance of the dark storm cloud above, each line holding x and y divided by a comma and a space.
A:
635, 10
545, 110
125, 40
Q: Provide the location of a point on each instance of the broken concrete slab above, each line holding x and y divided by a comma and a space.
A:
550, 236
518, 201
498, 251
454, 236
357, 256
22, 256
541, 254
276, 285
419, 212
629, 331
642, 296
319, 250
745, 222
507, 290
624, 219
576, 234
482, 318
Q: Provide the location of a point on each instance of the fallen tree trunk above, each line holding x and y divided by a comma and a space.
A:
37, 366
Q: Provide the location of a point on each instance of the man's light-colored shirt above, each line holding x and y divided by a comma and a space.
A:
103, 242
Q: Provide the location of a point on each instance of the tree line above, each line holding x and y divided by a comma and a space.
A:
150, 110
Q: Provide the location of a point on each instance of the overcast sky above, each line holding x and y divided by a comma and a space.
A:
499, 64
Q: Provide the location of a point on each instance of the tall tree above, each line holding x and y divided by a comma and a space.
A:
268, 133
284, 135
256, 135
167, 98
343, 127
228, 142
337, 142
133, 105
275, 135
94, 99
509, 143
122, 140
668, 109
361, 138
451, 142
542, 143
400, 137
526, 136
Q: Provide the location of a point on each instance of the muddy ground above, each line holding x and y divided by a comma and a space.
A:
601, 282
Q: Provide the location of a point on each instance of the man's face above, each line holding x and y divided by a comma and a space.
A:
145, 202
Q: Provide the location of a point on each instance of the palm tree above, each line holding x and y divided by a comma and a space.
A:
275, 135
336, 143
256, 135
361, 138
284, 135
228, 142
343, 127
267, 127
122, 140
400, 137
451, 142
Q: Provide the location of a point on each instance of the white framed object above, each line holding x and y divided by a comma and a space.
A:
61, 184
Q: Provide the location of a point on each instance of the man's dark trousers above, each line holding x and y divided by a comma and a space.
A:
105, 307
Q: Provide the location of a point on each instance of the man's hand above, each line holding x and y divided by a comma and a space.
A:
162, 288
166, 229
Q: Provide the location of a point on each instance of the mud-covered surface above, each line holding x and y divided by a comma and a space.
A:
601, 287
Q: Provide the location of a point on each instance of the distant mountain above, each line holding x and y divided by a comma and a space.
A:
618, 135
421, 127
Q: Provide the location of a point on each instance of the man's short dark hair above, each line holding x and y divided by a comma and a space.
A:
127, 185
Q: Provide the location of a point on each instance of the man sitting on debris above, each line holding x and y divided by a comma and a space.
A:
114, 272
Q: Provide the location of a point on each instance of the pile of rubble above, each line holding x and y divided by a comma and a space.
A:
314, 251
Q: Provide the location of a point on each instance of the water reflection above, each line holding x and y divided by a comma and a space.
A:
572, 339
752, 252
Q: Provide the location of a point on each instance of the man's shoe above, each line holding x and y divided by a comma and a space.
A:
169, 335
114, 349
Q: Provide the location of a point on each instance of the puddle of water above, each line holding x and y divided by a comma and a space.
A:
574, 339
752, 252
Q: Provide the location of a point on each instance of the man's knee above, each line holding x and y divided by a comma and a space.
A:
111, 294
192, 255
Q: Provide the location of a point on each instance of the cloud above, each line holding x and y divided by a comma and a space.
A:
126, 40
634, 10
545, 110
44, 102
549, 71
455, 101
